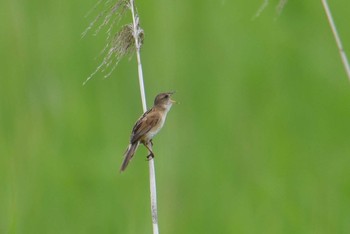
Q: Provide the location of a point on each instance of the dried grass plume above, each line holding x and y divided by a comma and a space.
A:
119, 43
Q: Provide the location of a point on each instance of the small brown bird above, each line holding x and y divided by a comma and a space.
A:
147, 126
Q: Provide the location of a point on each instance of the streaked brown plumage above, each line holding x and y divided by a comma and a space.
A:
147, 126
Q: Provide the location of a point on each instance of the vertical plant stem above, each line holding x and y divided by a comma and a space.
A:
135, 22
337, 38
153, 187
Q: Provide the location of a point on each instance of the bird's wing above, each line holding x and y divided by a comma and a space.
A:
147, 121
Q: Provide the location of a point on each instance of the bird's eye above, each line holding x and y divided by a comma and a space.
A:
167, 96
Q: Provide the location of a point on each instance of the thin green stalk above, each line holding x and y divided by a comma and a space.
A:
337, 38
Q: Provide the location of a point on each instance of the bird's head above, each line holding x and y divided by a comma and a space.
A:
164, 100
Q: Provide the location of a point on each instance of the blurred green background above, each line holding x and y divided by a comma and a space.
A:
259, 144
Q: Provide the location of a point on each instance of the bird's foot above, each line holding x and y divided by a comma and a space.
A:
150, 156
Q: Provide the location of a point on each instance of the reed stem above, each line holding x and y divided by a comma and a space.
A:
153, 187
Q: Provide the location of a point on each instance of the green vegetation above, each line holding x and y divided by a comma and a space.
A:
259, 144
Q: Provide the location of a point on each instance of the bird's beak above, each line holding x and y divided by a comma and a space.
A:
172, 101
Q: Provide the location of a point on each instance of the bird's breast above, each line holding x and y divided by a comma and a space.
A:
154, 131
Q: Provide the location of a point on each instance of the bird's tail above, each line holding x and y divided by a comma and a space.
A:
129, 153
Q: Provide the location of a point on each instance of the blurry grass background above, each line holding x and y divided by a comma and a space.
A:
259, 144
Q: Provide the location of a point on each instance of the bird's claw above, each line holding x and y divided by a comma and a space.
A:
149, 157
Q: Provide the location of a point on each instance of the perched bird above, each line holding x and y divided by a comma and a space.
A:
147, 126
